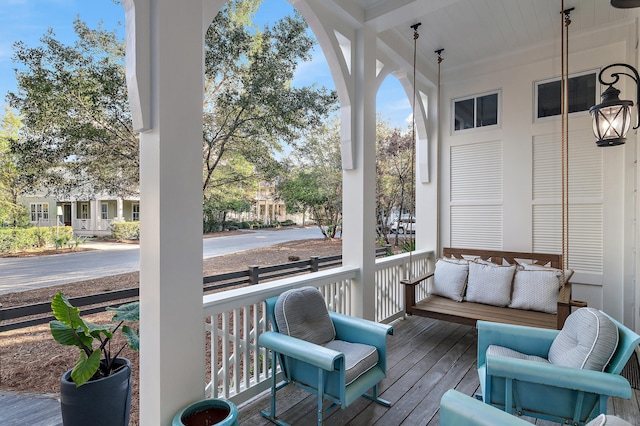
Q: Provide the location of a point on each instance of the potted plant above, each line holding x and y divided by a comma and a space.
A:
97, 390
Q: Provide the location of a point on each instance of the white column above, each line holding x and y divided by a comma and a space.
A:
93, 214
120, 208
74, 213
358, 200
172, 359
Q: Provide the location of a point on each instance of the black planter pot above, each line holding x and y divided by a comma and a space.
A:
99, 402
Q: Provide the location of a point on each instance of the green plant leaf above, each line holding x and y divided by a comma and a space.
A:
66, 335
132, 337
127, 312
85, 367
66, 313
96, 330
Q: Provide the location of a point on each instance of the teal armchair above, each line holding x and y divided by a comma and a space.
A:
525, 386
337, 357
457, 409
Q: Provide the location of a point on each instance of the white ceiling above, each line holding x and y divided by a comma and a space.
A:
472, 31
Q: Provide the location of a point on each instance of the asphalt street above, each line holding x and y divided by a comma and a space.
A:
20, 274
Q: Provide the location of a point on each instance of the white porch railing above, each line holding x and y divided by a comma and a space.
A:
238, 369
48, 222
389, 272
88, 224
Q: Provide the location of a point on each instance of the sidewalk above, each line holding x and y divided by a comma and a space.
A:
17, 409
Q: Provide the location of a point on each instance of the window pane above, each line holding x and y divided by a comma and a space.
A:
549, 99
582, 92
464, 114
487, 110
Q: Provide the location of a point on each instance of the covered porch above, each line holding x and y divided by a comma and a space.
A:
494, 187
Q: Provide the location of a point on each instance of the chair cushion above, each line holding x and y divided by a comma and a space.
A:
536, 290
605, 420
302, 313
510, 353
490, 284
587, 340
450, 278
359, 358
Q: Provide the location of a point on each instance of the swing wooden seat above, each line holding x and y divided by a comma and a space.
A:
467, 312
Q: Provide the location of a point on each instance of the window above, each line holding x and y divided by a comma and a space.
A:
39, 211
84, 211
104, 211
581, 94
476, 111
136, 212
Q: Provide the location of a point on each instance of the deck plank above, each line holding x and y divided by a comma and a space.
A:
426, 357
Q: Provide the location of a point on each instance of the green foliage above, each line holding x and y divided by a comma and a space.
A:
125, 230
394, 174
95, 359
251, 109
73, 102
11, 188
316, 185
13, 240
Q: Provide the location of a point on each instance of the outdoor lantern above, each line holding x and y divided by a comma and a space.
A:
612, 117
625, 4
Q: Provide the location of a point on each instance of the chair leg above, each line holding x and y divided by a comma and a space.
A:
271, 416
375, 398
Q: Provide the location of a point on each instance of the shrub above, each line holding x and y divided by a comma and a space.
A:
125, 230
14, 240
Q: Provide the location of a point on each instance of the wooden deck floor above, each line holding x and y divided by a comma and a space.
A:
426, 357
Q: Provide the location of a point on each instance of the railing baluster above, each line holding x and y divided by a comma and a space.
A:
238, 318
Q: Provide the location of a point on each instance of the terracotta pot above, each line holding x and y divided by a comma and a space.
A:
105, 401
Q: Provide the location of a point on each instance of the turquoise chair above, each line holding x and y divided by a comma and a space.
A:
319, 369
457, 409
544, 390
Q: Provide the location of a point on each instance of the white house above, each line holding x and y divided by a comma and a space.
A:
488, 150
88, 216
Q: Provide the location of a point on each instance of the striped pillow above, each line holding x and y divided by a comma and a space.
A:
587, 341
302, 313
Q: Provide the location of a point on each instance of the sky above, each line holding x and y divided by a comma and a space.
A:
28, 20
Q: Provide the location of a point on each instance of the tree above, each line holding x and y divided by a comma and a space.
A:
395, 173
316, 184
251, 109
77, 125
78, 133
11, 211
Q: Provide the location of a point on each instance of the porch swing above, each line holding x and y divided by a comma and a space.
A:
448, 298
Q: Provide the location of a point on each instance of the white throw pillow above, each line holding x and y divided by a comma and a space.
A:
490, 284
536, 290
449, 278
568, 273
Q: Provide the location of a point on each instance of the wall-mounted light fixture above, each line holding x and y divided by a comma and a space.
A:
625, 4
612, 117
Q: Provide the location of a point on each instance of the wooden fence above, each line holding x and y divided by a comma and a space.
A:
40, 313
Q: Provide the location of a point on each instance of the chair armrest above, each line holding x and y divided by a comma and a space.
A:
358, 330
308, 352
528, 340
459, 409
417, 280
563, 377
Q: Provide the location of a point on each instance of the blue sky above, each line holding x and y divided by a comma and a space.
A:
28, 20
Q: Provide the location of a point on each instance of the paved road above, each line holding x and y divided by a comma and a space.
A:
20, 274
